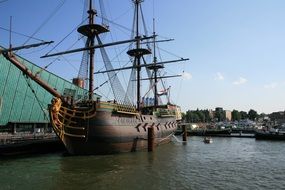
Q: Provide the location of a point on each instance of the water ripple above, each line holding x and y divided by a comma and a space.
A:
227, 163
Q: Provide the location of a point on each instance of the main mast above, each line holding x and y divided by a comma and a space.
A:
91, 30
138, 58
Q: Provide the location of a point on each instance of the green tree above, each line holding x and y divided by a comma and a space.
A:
194, 117
188, 116
191, 117
236, 115
207, 115
201, 116
220, 115
252, 114
183, 116
243, 115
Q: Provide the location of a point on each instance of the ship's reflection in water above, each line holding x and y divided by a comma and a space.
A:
227, 163
120, 171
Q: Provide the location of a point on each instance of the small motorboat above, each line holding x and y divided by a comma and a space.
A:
208, 140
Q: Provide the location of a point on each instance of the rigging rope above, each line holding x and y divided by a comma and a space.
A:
45, 22
121, 26
131, 90
170, 53
145, 27
149, 74
150, 88
33, 91
66, 37
57, 59
20, 34
83, 69
96, 88
181, 81
117, 56
103, 12
117, 87
116, 49
84, 66
112, 60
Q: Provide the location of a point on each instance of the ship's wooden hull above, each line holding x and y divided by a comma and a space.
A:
108, 132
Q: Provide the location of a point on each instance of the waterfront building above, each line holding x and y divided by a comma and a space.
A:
228, 115
211, 114
219, 114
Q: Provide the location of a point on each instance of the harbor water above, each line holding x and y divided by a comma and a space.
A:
227, 163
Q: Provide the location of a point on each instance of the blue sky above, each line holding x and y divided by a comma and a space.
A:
236, 47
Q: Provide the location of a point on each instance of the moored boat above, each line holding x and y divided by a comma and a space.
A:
267, 135
94, 126
206, 132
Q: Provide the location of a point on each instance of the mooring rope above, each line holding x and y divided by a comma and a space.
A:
165, 138
177, 140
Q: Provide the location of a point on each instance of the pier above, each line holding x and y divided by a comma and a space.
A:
215, 132
26, 143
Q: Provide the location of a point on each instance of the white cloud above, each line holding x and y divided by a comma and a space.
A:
219, 76
271, 85
240, 81
186, 75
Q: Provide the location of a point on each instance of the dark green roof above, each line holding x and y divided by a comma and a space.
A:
17, 101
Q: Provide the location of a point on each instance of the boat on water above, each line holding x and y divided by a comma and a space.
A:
208, 140
95, 126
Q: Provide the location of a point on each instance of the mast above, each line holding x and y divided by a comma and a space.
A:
138, 52
91, 30
155, 67
91, 13
155, 70
138, 59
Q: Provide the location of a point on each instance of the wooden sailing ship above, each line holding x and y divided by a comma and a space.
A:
93, 126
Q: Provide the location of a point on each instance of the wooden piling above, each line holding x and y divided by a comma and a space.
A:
184, 130
150, 138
